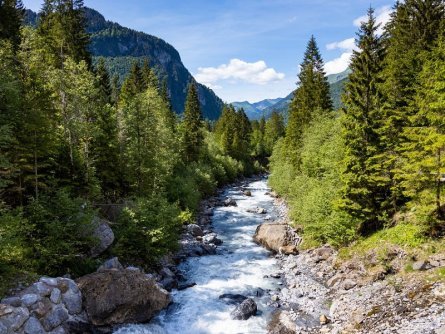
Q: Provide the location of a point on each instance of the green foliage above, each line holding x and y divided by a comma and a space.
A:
147, 230
366, 186
192, 125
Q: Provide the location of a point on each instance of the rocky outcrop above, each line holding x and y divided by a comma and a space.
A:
274, 236
51, 305
121, 296
244, 310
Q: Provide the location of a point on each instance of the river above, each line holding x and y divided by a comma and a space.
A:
239, 267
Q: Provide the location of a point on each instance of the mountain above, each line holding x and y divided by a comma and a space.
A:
336, 82
122, 46
255, 110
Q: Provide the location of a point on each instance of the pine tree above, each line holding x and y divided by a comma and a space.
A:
192, 122
364, 189
312, 95
62, 24
412, 32
423, 151
103, 80
149, 77
11, 17
274, 130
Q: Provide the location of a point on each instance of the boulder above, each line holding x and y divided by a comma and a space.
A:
33, 326
103, 234
244, 310
288, 250
230, 202
13, 317
281, 323
55, 318
195, 230
261, 211
273, 236
247, 193
112, 263
121, 296
212, 239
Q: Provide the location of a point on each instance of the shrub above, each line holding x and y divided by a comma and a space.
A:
147, 230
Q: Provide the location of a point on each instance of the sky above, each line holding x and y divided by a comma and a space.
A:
246, 50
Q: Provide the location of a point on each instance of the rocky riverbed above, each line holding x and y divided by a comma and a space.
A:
324, 294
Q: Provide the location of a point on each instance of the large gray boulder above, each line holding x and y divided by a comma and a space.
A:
244, 310
274, 236
103, 234
121, 296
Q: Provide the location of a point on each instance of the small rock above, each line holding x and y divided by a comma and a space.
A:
166, 272
195, 230
247, 193
324, 320
420, 265
42, 289
56, 296
33, 326
5, 309
245, 310
349, 284
261, 211
30, 299
13, 301
230, 202
112, 263
183, 286
212, 239
275, 298
55, 318
169, 283
49, 281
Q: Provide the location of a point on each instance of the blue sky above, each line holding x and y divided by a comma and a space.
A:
245, 49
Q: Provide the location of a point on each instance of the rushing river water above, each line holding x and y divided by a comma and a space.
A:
238, 267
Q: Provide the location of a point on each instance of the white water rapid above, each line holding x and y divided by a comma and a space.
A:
238, 267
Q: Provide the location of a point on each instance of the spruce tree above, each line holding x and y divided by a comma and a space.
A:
312, 95
62, 24
412, 32
424, 148
103, 81
11, 17
192, 122
364, 189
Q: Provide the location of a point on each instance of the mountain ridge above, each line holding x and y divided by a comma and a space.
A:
121, 46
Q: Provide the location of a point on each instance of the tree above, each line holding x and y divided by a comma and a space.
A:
274, 130
103, 81
11, 16
423, 151
411, 33
365, 189
311, 95
62, 25
192, 123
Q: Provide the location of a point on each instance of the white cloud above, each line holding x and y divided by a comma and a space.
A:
347, 44
383, 15
256, 73
339, 64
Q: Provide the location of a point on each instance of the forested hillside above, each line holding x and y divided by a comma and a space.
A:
75, 145
376, 167
122, 46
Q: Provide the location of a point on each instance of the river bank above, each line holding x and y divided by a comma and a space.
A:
324, 293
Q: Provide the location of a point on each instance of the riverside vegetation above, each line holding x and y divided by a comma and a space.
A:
371, 173
74, 143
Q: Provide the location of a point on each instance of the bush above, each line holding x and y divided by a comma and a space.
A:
60, 232
147, 230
